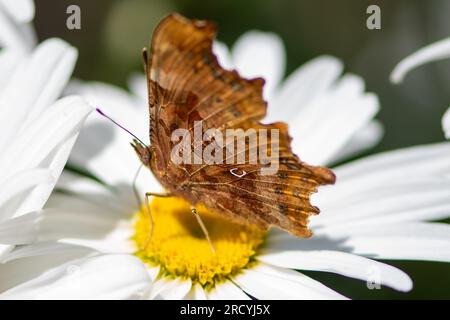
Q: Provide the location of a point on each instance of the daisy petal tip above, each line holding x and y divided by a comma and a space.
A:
397, 75
55, 44
446, 124
262, 36
373, 101
402, 283
269, 41
331, 60
79, 102
55, 47
407, 285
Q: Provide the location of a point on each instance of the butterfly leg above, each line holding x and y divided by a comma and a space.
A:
150, 217
135, 190
150, 194
202, 225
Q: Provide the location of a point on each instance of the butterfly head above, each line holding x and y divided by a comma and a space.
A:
144, 152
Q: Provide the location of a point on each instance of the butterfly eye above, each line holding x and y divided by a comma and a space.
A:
234, 173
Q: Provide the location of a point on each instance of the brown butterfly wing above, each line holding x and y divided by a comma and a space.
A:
248, 196
187, 84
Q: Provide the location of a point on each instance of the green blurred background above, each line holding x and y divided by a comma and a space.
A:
113, 33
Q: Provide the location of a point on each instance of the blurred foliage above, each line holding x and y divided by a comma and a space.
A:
114, 32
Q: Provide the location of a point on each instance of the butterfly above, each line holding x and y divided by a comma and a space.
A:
187, 84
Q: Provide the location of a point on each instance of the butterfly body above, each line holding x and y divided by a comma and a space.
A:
186, 85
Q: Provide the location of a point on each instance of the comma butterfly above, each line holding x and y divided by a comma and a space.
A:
186, 84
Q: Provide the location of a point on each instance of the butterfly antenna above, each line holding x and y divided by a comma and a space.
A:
120, 126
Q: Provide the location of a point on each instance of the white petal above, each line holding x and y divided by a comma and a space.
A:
59, 68
50, 149
358, 179
304, 85
432, 159
446, 123
196, 293
340, 114
46, 249
138, 87
15, 30
171, 289
260, 54
420, 199
266, 282
56, 125
435, 51
36, 199
364, 139
20, 10
9, 60
83, 223
19, 230
220, 49
42, 76
109, 245
110, 203
342, 263
117, 242
28, 262
227, 291
19, 183
405, 241
104, 277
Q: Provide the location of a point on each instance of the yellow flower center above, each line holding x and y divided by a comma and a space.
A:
180, 248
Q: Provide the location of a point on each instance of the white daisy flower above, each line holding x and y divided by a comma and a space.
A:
377, 209
433, 52
37, 133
